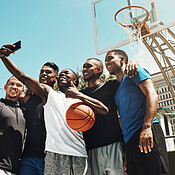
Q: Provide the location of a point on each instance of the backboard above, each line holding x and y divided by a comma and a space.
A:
110, 35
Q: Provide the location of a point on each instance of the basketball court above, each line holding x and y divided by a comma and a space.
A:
154, 50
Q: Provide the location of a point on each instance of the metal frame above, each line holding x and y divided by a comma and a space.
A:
154, 23
160, 48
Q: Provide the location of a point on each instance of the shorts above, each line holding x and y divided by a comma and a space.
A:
107, 160
3, 172
31, 166
58, 164
151, 163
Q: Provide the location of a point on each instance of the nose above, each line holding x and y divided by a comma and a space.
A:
14, 86
84, 68
44, 73
62, 73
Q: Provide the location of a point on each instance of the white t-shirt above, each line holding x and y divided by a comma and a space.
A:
60, 137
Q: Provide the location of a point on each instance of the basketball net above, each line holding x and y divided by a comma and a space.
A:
133, 20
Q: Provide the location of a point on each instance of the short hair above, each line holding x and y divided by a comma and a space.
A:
9, 79
76, 78
100, 62
120, 52
53, 66
14, 77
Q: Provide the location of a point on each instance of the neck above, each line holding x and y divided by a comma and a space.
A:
93, 83
120, 74
12, 99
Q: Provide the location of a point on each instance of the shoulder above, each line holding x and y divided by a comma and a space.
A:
1, 106
112, 82
142, 75
46, 87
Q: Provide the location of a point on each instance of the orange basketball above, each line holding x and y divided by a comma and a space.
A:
80, 117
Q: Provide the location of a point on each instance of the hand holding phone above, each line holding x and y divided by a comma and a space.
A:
17, 46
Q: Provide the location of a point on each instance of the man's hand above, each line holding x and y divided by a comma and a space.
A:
146, 140
5, 50
72, 92
125, 165
131, 69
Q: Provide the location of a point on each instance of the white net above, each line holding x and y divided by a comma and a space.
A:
131, 19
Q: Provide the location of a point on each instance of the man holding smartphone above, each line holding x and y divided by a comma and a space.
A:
32, 160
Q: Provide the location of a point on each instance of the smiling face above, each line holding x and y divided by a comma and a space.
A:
65, 77
113, 63
13, 88
47, 76
92, 70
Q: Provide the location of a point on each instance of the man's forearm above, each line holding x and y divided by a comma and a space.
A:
96, 105
150, 110
149, 91
31, 83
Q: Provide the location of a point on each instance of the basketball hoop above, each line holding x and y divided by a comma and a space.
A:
133, 20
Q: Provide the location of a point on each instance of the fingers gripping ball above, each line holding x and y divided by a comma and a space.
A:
80, 117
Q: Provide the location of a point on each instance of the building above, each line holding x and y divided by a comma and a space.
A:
165, 97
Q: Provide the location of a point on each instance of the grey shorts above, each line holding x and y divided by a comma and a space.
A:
107, 160
3, 172
58, 164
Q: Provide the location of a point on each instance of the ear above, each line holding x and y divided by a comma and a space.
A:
5, 87
74, 82
55, 78
122, 61
99, 70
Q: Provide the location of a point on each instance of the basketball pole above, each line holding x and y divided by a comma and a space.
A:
157, 48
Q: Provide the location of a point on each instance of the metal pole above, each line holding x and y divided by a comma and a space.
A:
160, 66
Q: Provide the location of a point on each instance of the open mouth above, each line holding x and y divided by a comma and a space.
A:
43, 78
13, 92
85, 74
63, 78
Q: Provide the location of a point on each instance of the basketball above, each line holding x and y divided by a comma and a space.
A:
80, 117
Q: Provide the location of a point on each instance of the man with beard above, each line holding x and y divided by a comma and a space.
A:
32, 161
137, 100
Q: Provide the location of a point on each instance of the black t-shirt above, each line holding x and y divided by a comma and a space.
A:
106, 129
36, 132
12, 130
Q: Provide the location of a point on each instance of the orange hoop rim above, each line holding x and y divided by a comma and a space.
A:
132, 25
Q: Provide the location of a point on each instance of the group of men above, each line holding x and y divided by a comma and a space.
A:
52, 148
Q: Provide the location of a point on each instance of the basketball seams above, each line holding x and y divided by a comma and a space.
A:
87, 115
80, 117
83, 125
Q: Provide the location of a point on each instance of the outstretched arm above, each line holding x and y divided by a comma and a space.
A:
97, 106
146, 136
31, 83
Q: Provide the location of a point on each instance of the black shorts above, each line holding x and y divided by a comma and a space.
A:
152, 163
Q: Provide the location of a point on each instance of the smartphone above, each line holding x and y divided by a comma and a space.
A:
17, 46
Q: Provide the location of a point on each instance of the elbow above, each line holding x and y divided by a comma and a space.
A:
104, 111
22, 77
154, 97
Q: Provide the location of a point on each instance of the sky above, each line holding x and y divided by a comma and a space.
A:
60, 31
